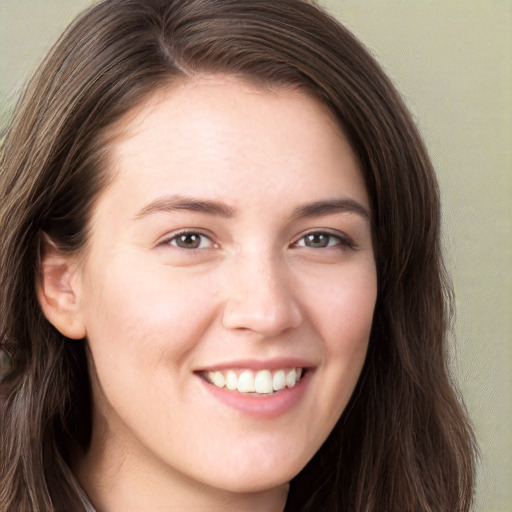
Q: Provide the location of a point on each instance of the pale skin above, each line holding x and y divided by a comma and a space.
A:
234, 235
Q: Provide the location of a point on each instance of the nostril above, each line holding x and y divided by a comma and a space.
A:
265, 315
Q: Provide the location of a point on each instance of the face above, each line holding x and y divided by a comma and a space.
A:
228, 287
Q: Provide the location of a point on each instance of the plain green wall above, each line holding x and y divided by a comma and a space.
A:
452, 61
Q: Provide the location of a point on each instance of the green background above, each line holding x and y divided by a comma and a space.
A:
452, 61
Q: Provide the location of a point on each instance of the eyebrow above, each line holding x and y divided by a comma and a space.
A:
331, 206
173, 203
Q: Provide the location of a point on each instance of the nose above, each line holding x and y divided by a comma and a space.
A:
260, 297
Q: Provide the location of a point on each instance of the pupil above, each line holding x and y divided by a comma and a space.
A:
189, 241
317, 240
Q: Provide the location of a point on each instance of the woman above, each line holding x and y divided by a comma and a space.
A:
221, 282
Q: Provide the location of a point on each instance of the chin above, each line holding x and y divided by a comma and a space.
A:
256, 478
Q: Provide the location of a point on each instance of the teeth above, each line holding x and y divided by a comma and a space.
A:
231, 380
246, 382
279, 380
261, 382
218, 379
290, 378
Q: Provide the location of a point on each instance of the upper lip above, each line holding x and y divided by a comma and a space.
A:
260, 364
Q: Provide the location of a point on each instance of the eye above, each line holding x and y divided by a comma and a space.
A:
190, 240
322, 240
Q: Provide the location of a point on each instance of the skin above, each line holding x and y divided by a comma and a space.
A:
255, 289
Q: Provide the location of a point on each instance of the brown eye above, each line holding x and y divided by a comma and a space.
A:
190, 241
319, 240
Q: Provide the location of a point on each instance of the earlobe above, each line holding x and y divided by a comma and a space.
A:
58, 290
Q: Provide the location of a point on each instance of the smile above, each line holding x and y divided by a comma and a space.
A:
262, 382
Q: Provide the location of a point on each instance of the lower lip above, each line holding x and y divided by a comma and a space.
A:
265, 406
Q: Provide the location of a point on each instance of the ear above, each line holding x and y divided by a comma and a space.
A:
58, 290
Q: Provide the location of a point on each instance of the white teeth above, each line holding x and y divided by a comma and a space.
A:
279, 381
231, 380
290, 378
262, 382
218, 379
246, 382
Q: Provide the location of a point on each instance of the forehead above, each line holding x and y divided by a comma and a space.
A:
198, 96
221, 135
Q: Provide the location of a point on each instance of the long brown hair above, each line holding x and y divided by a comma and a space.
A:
404, 442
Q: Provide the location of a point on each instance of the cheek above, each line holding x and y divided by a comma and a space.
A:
345, 316
344, 309
351, 319
138, 320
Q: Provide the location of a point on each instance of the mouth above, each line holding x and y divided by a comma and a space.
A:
264, 382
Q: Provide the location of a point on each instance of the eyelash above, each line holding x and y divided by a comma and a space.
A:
342, 241
176, 236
